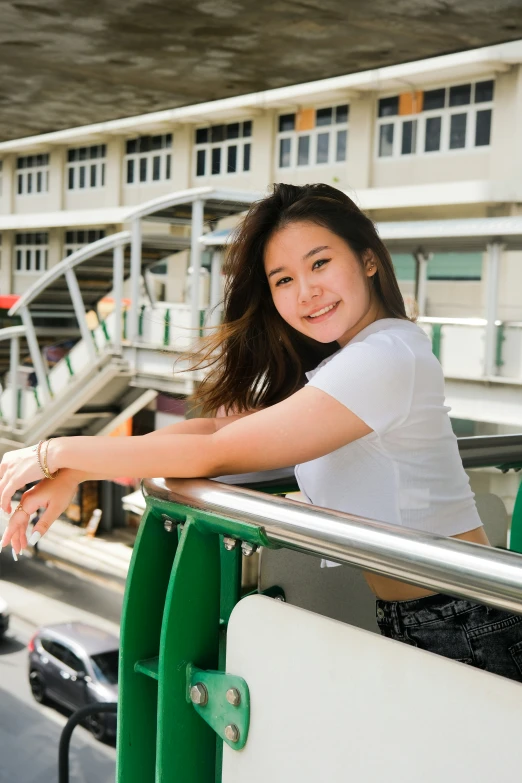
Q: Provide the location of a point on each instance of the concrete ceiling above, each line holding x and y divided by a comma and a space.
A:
65, 63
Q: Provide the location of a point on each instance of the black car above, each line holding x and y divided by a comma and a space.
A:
76, 664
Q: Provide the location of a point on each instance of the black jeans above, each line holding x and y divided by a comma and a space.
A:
490, 639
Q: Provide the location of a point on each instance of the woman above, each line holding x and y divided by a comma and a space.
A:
311, 287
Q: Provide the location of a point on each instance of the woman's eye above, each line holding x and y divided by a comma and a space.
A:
320, 262
283, 281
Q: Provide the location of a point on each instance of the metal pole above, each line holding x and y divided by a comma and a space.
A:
65, 737
13, 373
195, 262
117, 288
445, 565
215, 286
36, 356
79, 311
494, 254
421, 280
135, 271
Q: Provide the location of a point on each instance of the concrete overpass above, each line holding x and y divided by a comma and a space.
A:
65, 63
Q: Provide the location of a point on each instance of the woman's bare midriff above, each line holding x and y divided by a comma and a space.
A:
393, 590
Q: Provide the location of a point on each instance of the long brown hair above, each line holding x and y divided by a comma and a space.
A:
255, 359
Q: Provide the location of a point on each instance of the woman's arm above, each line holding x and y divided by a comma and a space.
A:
307, 425
197, 426
187, 427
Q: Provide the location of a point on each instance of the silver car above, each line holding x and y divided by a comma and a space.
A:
76, 664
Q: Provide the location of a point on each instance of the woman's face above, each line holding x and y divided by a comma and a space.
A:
318, 284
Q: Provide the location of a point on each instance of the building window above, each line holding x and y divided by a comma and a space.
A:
148, 159
86, 167
441, 120
32, 174
441, 266
31, 251
223, 149
313, 137
75, 240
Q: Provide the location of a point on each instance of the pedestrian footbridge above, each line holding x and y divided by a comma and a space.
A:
117, 366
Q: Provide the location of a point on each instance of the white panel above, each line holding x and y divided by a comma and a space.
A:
79, 357
59, 377
334, 703
512, 353
462, 351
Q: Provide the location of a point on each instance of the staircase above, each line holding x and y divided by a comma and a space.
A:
118, 367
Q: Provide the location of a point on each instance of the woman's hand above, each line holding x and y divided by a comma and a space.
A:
17, 469
53, 496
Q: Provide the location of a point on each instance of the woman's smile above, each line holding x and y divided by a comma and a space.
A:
318, 316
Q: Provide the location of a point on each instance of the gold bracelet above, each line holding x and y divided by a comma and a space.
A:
38, 456
46, 471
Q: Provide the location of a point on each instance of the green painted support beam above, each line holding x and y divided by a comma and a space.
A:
500, 335
186, 745
436, 339
146, 590
166, 328
515, 539
149, 667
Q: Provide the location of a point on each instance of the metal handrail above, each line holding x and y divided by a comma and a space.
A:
445, 565
484, 451
8, 332
74, 259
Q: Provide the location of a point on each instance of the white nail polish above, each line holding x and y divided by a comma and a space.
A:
15, 556
34, 538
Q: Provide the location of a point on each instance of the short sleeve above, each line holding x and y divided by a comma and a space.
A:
373, 378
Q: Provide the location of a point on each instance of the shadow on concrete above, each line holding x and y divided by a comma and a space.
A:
29, 741
10, 644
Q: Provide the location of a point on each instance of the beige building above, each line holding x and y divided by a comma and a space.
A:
432, 139
435, 140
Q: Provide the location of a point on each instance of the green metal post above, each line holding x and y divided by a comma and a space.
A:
186, 745
166, 330
515, 539
147, 585
500, 339
436, 339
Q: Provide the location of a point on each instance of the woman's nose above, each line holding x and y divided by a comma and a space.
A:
307, 290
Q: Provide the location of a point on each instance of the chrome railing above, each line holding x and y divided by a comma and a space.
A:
446, 565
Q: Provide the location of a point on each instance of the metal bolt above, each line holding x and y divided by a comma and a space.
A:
168, 524
248, 549
199, 694
234, 697
229, 543
232, 732
279, 598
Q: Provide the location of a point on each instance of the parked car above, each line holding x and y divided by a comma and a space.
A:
4, 617
76, 664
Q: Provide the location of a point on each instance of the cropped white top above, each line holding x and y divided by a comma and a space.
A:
407, 471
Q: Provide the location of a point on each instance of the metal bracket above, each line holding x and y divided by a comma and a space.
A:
223, 701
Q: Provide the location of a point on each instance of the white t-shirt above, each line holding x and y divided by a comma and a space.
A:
407, 471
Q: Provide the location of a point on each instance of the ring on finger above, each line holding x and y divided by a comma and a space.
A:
21, 508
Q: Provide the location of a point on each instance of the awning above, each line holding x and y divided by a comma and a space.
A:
467, 234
